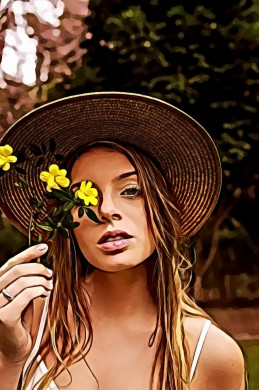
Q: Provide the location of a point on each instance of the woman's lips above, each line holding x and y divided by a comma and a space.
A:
116, 244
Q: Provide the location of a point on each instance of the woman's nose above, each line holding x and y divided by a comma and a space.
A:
108, 209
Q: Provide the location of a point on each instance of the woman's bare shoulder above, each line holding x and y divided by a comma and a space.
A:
221, 362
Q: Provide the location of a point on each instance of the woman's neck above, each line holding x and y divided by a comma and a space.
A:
122, 297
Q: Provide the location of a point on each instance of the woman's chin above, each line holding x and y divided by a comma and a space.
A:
115, 264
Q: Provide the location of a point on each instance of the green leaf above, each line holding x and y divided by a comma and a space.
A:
52, 145
73, 225
62, 192
33, 202
35, 150
52, 234
32, 227
17, 185
43, 148
46, 227
71, 194
79, 201
20, 155
68, 206
80, 212
24, 181
39, 239
67, 219
62, 195
51, 222
20, 170
49, 195
57, 210
63, 233
40, 161
91, 214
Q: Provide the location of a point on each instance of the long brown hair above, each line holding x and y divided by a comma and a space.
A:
169, 276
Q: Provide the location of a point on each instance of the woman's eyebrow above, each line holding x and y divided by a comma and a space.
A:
124, 175
117, 178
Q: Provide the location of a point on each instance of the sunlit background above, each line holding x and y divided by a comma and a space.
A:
202, 58
20, 45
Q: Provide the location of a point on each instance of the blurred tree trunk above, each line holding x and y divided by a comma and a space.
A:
203, 263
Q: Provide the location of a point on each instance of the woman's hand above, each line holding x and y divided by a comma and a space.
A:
24, 281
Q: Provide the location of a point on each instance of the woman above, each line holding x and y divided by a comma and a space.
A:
119, 316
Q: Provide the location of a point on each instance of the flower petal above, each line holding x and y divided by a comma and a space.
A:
12, 159
88, 185
51, 181
82, 186
80, 194
6, 150
86, 200
55, 185
62, 172
54, 169
92, 192
6, 166
93, 200
63, 181
2, 160
45, 176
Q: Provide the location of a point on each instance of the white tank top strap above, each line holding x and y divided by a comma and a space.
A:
199, 346
38, 338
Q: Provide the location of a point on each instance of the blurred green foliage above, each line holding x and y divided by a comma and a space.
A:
251, 351
203, 58
11, 241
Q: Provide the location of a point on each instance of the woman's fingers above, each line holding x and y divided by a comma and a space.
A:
10, 314
24, 257
22, 283
22, 270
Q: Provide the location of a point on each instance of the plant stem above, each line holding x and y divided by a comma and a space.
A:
30, 227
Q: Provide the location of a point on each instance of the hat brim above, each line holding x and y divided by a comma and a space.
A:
184, 149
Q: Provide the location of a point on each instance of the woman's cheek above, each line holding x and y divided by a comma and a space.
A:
85, 241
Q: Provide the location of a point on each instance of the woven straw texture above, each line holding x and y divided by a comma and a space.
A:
184, 149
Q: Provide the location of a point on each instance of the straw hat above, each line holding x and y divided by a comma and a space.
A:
185, 151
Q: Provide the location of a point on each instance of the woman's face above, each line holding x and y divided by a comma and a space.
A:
117, 209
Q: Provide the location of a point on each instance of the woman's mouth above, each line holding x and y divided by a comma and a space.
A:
115, 244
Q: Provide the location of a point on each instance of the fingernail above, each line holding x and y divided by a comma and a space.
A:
42, 247
49, 271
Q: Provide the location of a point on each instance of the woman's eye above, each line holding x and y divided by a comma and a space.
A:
133, 191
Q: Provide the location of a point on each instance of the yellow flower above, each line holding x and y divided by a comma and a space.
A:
55, 177
87, 193
6, 158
